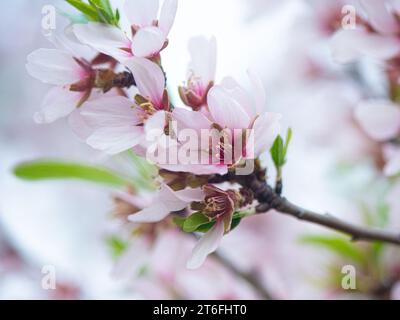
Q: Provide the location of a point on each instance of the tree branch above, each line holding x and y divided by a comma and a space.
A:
268, 199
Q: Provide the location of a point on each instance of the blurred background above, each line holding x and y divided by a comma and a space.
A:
332, 167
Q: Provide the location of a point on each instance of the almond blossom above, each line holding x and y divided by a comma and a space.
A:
220, 206
231, 111
375, 37
71, 74
147, 36
118, 123
201, 72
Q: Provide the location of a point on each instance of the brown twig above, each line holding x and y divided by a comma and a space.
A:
268, 199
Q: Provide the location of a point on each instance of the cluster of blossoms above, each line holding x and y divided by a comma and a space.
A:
219, 128
376, 36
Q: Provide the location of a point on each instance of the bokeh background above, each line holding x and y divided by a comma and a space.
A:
331, 165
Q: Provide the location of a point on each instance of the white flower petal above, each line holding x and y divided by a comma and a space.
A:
113, 140
266, 129
260, 96
141, 13
198, 169
79, 126
54, 66
225, 110
203, 53
349, 45
149, 78
379, 16
167, 15
166, 201
189, 195
148, 42
110, 112
104, 38
58, 103
207, 245
190, 119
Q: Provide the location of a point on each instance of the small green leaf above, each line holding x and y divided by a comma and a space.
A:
193, 222
52, 169
339, 245
277, 152
85, 8
97, 10
289, 134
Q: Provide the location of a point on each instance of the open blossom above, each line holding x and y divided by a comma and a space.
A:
219, 205
70, 73
147, 36
232, 111
376, 36
201, 72
118, 123
381, 121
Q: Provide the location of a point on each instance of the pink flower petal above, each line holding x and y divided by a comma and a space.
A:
380, 17
203, 53
189, 195
54, 66
239, 94
225, 110
260, 96
104, 38
149, 78
198, 169
58, 103
207, 245
114, 140
166, 201
79, 126
141, 13
380, 119
349, 45
148, 42
167, 16
110, 112
266, 129
190, 119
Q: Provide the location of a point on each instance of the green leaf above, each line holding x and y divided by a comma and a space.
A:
338, 245
179, 221
117, 246
289, 134
85, 8
277, 152
53, 169
97, 10
193, 222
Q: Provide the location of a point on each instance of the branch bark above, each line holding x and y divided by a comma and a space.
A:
268, 199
